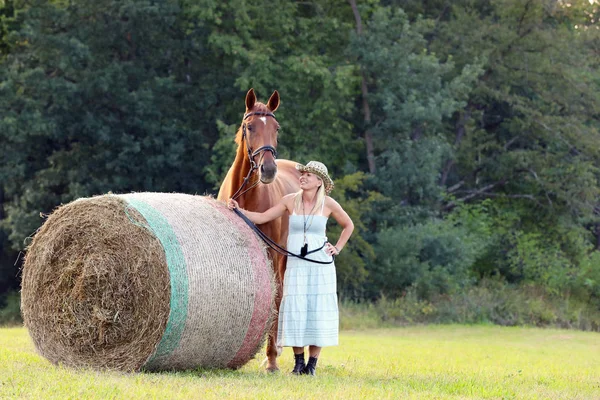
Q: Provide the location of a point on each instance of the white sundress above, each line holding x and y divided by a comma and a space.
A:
308, 315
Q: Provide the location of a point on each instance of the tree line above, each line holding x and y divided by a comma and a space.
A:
463, 135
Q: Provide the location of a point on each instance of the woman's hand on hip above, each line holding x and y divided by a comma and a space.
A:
331, 249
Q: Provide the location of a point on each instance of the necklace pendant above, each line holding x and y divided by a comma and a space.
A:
304, 250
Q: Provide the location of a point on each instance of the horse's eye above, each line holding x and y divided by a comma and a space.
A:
250, 128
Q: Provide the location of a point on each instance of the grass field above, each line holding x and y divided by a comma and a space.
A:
425, 362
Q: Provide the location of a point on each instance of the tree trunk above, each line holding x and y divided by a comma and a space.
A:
1, 203
460, 131
365, 95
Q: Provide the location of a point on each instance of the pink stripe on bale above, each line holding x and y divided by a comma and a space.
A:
262, 294
262, 307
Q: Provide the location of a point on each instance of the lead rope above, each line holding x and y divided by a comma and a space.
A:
237, 193
277, 247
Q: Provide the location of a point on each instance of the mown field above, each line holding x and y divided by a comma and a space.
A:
425, 362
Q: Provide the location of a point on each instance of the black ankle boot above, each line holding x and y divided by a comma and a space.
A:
299, 366
310, 367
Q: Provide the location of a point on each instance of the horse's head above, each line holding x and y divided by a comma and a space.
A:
259, 132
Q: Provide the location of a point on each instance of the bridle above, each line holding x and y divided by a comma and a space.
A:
262, 149
251, 154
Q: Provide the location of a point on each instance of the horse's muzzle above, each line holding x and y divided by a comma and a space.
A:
268, 173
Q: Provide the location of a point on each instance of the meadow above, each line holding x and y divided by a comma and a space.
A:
418, 362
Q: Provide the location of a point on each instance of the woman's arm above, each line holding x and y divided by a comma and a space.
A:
345, 222
261, 218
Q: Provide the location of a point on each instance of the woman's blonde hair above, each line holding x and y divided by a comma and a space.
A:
320, 198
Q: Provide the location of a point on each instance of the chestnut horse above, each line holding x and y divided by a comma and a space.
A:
268, 181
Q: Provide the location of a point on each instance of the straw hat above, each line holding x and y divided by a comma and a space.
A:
319, 169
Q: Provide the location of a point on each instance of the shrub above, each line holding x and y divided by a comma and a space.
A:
10, 314
433, 258
490, 301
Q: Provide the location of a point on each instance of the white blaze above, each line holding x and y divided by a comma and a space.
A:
264, 120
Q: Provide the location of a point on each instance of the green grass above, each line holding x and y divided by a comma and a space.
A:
425, 362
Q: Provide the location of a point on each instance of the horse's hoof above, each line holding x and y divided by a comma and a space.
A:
272, 369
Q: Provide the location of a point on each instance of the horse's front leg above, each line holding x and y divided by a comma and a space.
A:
272, 350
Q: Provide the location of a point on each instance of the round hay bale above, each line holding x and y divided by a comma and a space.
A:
151, 281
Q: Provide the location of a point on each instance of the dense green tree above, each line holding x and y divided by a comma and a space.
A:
9, 258
354, 264
95, 99
463, 135
523, 133
528, 137
298, 49
7, 12
411, 94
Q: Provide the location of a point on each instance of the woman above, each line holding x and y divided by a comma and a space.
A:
308, 315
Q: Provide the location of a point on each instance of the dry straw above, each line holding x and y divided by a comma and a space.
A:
147, 281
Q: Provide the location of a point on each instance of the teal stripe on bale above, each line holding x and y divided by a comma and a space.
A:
159, 225
222, 282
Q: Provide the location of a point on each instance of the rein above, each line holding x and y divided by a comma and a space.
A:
277, 247
252, 154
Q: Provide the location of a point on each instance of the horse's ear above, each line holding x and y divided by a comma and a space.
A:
273, 101
250, 100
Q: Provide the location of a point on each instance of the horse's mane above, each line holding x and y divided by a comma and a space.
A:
258, 107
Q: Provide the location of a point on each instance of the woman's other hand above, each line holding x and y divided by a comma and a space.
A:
232, 204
